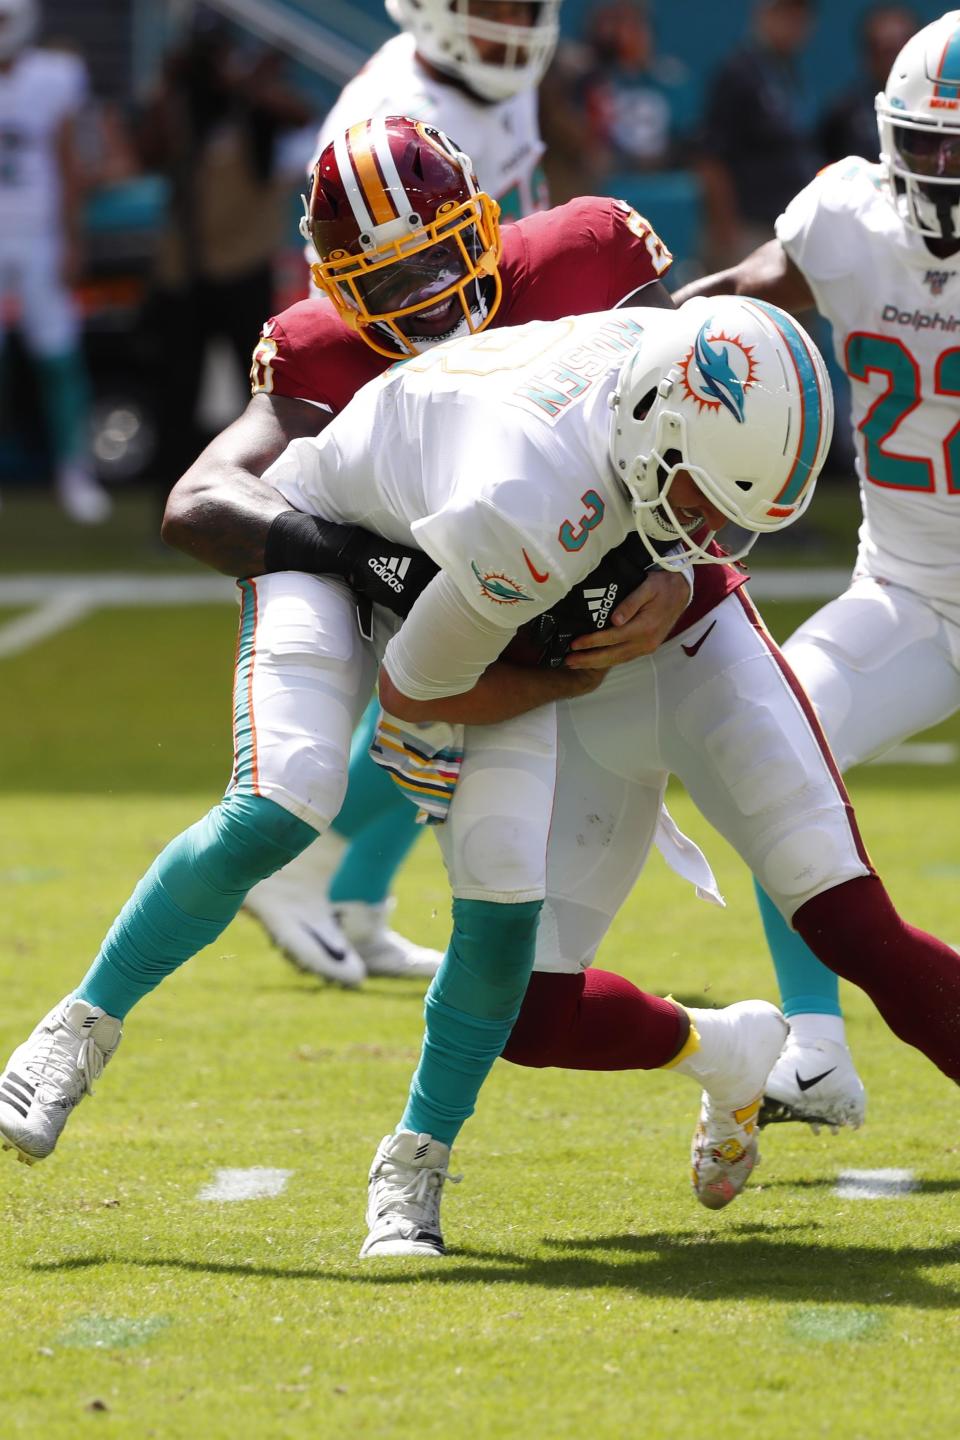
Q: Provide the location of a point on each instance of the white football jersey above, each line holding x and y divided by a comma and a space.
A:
40, 90
502, 139
895, 313
490, 453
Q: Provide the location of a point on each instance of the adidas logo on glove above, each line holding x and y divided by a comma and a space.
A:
600, 603
390, 570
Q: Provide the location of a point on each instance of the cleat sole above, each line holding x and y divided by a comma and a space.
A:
19, 1154
779, 1112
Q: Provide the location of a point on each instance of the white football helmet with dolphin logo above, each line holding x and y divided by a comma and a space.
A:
736, 394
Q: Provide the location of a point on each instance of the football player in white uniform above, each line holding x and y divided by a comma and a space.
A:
470, 68
41, 92
493, 456
876, 248
500, 458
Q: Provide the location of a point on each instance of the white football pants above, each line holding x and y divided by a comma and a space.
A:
879, 665
562, 802
30, 271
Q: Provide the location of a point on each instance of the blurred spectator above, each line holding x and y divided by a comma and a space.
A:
103, 145
759, 146
639, 105
849, 126
212, 128
572, 167
41, 244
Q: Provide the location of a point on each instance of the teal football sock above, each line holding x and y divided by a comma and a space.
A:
377, 820
806, 985
470, 1010
65, 389
189, 895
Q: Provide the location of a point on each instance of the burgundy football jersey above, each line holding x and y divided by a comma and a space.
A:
575, 259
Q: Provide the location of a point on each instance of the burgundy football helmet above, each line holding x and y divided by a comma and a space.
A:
408, 244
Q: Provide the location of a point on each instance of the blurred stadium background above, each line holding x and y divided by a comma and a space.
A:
319, 44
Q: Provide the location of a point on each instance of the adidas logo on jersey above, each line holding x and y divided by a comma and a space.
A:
391, 570
600, 602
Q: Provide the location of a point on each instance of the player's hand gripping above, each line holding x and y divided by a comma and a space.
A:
640, 623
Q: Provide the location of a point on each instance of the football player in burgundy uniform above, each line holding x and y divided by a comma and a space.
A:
591, 252
587, 255
471, 70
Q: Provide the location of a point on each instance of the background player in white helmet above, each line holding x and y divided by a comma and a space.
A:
876, 248
471, 69
41, 92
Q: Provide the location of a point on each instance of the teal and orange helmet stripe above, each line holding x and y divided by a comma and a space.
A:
948, 71
246, 774
810, 389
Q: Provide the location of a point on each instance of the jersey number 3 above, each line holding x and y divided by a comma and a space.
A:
573, 536
868, 355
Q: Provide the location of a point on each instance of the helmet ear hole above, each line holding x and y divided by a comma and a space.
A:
643, 406
744, 484
671, 459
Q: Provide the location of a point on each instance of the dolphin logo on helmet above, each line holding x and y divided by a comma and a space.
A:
719, 377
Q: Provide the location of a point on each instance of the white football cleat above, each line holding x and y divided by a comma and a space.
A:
403, 1198
751, 1035
815, 1082
301, 922
382, 950
48, 1075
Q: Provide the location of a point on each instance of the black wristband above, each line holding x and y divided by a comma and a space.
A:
305, 542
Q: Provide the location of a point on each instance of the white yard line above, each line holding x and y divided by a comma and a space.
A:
812, 584
874, 1184
919, 752
55, 614
258, 1183
208, 589
118, 590
60, 601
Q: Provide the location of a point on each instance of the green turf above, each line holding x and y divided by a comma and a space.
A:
36, 535
588, 1293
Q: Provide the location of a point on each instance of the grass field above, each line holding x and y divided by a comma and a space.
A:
588, 1293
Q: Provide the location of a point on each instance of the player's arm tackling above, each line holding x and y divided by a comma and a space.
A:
443, 664
221, 510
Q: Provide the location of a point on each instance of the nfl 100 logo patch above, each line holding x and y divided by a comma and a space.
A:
936, 279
